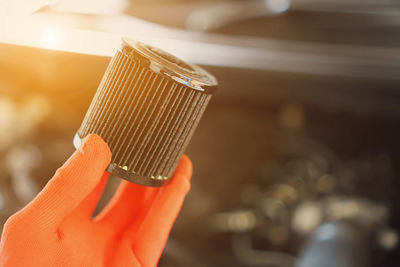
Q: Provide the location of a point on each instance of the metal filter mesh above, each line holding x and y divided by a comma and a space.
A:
146, 118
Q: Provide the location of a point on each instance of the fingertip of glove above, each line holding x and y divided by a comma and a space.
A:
185, 168
95, 146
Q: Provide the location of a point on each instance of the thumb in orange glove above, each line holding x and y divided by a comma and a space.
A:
57, 229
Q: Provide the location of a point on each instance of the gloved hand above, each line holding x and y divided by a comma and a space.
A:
56, 228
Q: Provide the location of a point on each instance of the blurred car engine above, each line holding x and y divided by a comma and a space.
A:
296, 160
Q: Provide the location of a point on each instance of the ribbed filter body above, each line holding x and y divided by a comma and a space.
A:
145, 113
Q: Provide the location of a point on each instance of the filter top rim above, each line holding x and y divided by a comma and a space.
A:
162, 62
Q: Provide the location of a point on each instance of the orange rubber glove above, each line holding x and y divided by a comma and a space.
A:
56, 228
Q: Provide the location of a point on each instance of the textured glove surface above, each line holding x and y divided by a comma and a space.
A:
56, 228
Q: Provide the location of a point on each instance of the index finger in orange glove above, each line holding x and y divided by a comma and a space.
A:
71, 184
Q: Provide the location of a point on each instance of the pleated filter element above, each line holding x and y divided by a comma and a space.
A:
146, 108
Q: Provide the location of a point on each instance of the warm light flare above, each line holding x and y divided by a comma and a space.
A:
50, 37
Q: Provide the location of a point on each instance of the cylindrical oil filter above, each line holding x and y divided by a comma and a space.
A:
146, 108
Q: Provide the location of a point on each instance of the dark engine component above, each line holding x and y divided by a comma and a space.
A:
338, 244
